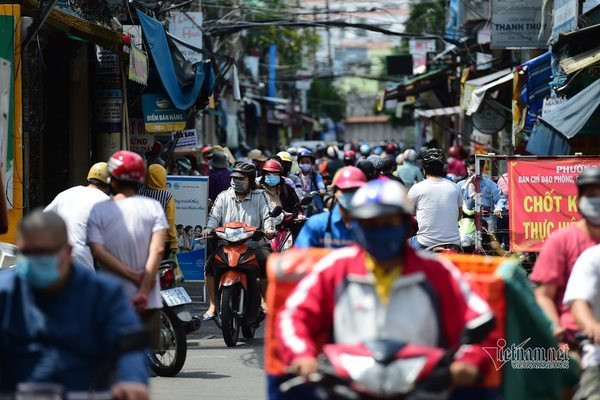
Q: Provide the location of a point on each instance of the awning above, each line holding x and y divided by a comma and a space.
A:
76, 26
565, 121
418, 84
478, 95
580, 61
583, 35
474, 84
438, 112
172, 73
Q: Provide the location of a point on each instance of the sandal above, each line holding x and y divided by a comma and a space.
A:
208, 317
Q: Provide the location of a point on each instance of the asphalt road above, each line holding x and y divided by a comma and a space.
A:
212, 370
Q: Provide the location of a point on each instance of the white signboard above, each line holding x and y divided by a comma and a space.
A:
517, 24
564, 16
187, 138
550, 103
187, 27
419, 48
5, 168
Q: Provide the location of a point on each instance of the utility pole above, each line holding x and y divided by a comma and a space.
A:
329, 55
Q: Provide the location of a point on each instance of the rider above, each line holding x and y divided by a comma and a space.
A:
333, 229
409, 171
310, 180
286, 162
61, 323
350, 158
456, 164
438, 204
381, 288
331, 164
242, 202
74, 206
278, 192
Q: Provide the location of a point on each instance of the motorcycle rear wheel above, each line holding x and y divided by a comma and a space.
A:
169, 361
229, 323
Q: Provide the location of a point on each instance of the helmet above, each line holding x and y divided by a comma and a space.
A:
391, 148
410, 155
305, 153
365, 149
377, 161
285, 156
349, 178
455, 152
99, 172
127, 166
379, 198
207, 149
589, 176
367, 168
244, 169
257, 155
332, 152
400, 158
184, 164
378, 150
350, 157
433, 156
272, 166
292, 150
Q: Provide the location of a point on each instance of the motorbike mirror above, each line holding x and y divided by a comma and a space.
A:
306, 200
276, 212
134, 339
478, 328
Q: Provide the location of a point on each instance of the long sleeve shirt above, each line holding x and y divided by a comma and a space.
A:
492, 198
253, 210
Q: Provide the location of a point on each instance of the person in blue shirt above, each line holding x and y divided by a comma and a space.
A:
333, 229
61, 323
310, 180
409, 172
493, 202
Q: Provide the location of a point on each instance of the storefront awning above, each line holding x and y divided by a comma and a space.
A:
497, 78
438, 112
478, 95
418, 84
580, 61
564, 122
583, 35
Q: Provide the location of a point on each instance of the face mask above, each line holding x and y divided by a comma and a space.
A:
305, 167
40, 272
239, 186
344, 199
382, 243
589, 207
272, 180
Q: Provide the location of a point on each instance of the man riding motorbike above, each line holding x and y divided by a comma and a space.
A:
242, 202
381, 288
310, 180
333, 229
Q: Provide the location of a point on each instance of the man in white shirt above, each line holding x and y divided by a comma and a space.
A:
582, 295
438, 203
74, 206
127, 236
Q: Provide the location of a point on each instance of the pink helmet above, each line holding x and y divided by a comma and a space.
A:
349, 178
127, 166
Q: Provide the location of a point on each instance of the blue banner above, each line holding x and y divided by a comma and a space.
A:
272, 70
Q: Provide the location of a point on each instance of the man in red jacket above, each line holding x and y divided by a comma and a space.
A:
381, 288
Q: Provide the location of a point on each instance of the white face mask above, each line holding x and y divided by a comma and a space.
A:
589, 207
240, 186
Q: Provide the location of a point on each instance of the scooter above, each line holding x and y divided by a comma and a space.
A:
284, 240
388, 369
176, 323
236, 271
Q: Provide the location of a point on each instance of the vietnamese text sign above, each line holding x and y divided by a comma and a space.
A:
542, 197
517, 24
187, 138
160, 115
190, 194
187, 26
564, 16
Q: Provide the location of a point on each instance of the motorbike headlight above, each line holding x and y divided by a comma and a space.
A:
235, 234
401, 375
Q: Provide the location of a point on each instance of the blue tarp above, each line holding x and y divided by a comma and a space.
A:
182, 98
536, 87
550, 135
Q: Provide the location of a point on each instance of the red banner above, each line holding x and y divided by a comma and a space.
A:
542, 197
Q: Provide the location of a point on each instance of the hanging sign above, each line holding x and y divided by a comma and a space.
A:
517, 24
187, 26
564, 17
160, 115
550, 103
138, 66
187, 138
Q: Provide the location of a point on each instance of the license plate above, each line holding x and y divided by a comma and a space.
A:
175, 297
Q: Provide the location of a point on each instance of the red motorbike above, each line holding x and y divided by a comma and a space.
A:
388, 369
237, 295
284, 239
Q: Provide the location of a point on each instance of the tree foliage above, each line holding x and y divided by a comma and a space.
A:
325, 99
428, 17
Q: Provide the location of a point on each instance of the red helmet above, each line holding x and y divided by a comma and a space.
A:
207, 149
272, 166
455, 152
349, 178
349, 154
127, 166
391, 148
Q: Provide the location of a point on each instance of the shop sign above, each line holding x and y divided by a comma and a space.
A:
564, 17
518, 24
140, 141
542, 198
550, 103
187, 26
187, 138
138, 66
160, 115
190, 194
107, 62
419, 48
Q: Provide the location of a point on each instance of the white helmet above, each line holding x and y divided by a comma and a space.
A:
399, 159
410, 155
332, 152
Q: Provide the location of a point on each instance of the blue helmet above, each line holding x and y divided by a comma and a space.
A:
378, 150
305, 153
379, 198
365, 149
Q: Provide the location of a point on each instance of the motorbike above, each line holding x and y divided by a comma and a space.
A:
284, 239
384, 368
176, 322
236, 271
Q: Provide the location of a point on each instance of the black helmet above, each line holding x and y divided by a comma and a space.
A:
367, 168
243, 169
433, 156
589, 176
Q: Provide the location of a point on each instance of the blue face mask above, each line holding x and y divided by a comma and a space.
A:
382, 243
40, 272
272, 180
305, 167
345, 199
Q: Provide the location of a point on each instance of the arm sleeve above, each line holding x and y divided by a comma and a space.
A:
308, 236
216, 213
497, 197
160, 219
53, 206
94, 229
551, 264
319, 180
264, 211
584, 282
170, 212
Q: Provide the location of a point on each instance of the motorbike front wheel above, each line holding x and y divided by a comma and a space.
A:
229, 323
171, 357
